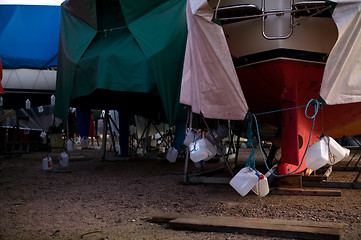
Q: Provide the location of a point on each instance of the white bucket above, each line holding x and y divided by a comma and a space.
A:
47, 163
244, 180
317, 155
172, 154
64, 159
192, 136
202, 150
261, 188
69, 145
336, 151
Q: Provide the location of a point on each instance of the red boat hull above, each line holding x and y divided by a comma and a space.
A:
286, 83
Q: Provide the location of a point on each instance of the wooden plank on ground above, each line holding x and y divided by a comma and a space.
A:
264, 227
306, 192
291, 181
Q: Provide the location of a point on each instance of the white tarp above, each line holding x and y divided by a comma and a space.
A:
342, 77
210, 84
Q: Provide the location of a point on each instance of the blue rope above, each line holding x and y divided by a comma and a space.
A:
316, 105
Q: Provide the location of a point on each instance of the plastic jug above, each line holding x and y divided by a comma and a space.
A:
261, 188
172, 154
69, 145
64, 159
27, 104
244, 180
202, 150
336, 151
317, 155
192, 136
222, 132
47, 163
216, 138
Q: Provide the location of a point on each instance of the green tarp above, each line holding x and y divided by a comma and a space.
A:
124, 47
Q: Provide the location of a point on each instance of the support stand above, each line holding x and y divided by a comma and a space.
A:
198, 178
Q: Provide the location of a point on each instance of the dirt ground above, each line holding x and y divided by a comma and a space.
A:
115, 200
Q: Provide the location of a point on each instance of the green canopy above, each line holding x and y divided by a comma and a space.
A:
120, 52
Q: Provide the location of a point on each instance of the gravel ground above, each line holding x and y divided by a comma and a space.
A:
115, 200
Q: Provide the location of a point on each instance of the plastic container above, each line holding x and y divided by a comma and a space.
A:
52, 100
261, 188
202, 150
214, 140
69, 145
244, 180
336, 151
192, 136
27, 104
222, 132
40, 109
172, 154
64, 159
47, 163
317, 155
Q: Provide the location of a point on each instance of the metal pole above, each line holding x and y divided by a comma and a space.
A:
190, 114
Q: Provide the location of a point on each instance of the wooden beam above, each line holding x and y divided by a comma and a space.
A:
215, 180
263, 227
291, 181
7, 115
306, 192
327, 184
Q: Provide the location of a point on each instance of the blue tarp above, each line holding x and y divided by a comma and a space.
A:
29, 36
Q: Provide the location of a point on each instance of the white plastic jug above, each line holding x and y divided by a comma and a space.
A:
336, 151
261, 188
69, 145
192, 136
172, 154
47, 163
202, 150
64, 159
244, 180
222, 132
317, 155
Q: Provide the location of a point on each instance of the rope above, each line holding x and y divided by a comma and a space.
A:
312, 102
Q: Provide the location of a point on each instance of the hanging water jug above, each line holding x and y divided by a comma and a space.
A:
64, 159
27, 104
244, 180
262, 187
52, 100
172, 154
47, 163
1, 101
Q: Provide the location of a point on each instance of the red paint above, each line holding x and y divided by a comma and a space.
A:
284, 83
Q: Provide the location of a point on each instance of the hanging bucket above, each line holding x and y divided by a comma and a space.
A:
172, 154
47, 163
336, 151
244, 180
317, 155
201, 150
192, 136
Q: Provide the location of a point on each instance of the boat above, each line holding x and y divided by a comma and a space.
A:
279, 50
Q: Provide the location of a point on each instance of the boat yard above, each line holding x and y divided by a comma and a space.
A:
232, 119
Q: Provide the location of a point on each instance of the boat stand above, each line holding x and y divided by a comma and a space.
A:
204, 177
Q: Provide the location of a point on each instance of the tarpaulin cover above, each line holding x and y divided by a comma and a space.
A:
342, 77
210, 84
124, 46
29, 35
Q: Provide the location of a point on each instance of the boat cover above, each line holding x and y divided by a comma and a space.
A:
122, 46
342, 77
210, 84
29, 33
